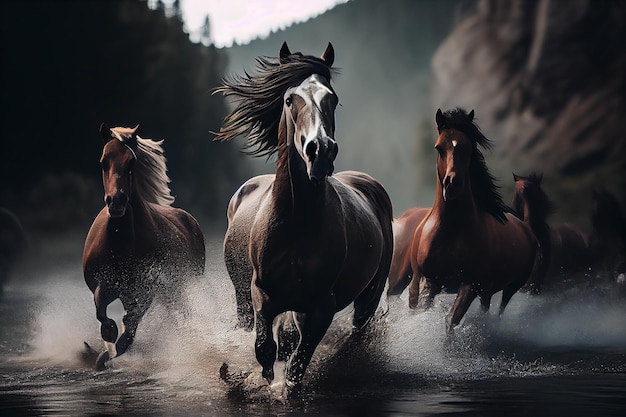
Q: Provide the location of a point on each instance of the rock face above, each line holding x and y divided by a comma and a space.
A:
547, 79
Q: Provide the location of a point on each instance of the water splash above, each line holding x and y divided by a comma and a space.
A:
185, 348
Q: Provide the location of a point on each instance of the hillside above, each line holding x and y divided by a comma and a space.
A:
383, 51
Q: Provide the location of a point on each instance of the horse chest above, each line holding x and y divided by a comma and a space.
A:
444, 255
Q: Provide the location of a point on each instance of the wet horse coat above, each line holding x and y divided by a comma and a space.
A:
301, 240
469, 240
138, 246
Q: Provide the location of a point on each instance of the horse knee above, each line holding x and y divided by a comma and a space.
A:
108, 330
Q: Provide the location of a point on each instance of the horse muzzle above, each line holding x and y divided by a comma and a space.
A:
321, 154
116, 205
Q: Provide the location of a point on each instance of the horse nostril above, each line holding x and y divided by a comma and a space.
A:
311, 150
108, 200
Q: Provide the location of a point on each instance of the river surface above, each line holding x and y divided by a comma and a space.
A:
562, 354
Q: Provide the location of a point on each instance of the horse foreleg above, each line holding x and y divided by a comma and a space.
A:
102, 297
312, 326
462, 302
135, 310
265, 347
507, 293
485, 303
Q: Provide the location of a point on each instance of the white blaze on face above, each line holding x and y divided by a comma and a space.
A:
313, 92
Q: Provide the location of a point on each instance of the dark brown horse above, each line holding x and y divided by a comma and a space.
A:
301, 240
570, 255
138, 246
469, 240
404, 227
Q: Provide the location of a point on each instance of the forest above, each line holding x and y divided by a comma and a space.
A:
70, 66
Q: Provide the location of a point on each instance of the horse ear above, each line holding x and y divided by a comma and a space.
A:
440, 120
134, 132
471, 115
515, 176
284, 52
105, 132
329, 55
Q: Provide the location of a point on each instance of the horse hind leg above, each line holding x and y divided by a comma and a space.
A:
312, 326
240, 273
366, 303
287, 335
422, 293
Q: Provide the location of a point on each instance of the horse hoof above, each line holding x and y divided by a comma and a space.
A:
101, 362
268, 375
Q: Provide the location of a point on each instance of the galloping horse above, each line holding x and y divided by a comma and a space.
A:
400, 272
301, 240
469, 239
569, 251
138, 244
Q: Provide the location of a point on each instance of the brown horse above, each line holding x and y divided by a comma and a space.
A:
469, 240
570, 255
138, 245
404, 227
301, 240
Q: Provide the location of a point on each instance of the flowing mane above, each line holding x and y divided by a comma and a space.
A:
484, 188
259, 99
534, 194
150, 171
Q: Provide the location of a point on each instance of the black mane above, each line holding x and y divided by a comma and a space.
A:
484, 188
533, 195
259, 99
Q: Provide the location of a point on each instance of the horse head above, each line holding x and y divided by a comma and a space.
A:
308, 119
455, 152
118, 159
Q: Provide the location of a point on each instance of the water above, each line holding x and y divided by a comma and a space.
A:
557, 355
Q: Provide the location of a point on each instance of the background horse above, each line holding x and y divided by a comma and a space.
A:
400, 272
608, 239
570, 255
302, 240
469, 239
138, 244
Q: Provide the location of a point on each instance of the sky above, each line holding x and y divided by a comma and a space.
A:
244, 20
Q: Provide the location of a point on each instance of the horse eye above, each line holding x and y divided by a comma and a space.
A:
288, 101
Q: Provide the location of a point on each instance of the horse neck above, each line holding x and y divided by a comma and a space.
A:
294, 195
457, 214
138, 213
